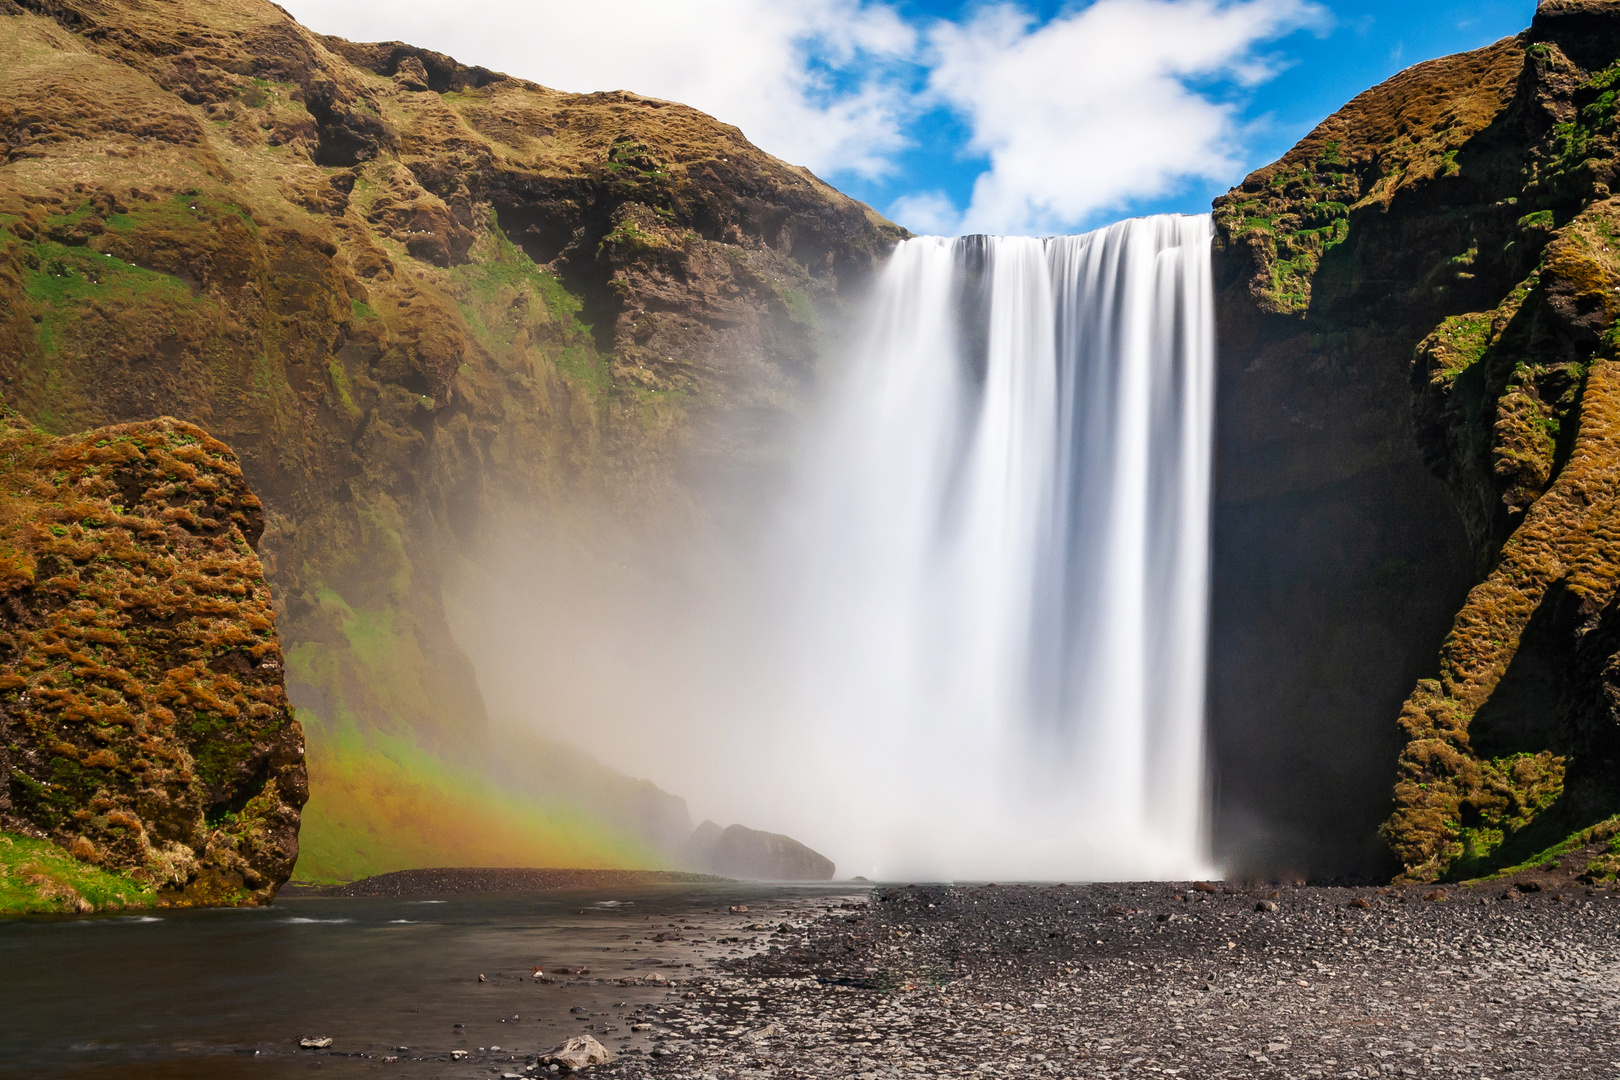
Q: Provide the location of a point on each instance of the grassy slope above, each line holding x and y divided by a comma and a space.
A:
37, 876
381, 803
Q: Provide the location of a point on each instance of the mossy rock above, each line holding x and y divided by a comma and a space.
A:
144, 724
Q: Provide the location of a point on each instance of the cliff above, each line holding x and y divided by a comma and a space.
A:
144, 726
410, 295
1417, 468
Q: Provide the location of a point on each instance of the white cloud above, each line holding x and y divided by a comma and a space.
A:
927, 213
809, 80
1089, 112
1094, 109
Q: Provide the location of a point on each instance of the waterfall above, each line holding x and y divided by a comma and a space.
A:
1001, 578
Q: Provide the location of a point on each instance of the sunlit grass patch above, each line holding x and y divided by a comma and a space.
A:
36, 877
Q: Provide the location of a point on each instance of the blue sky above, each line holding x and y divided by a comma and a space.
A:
985, 116
1365, 44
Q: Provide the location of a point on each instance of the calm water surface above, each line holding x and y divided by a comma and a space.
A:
229, 993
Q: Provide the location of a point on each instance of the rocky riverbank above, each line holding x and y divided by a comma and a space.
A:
454, 881
1175, 980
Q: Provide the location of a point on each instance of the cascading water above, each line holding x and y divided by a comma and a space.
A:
1003, 559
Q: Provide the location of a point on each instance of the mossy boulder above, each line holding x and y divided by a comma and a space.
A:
144, 724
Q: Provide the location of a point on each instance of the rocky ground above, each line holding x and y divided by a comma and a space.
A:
1174, 980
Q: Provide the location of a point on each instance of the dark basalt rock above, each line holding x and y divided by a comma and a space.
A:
1414, 467
752, 855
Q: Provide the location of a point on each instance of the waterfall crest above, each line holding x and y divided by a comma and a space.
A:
1002, 579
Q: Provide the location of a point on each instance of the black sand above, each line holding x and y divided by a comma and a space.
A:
1164, 980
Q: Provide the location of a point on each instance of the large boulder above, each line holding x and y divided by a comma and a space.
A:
144, 724
740, 852
580, 1052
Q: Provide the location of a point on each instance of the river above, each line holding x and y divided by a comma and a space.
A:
230, 992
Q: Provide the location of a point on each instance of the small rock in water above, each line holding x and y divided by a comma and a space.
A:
482, 979
737, 909
457, 1055
580, 1052
315, 1042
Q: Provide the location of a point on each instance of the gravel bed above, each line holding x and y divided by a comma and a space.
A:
1162, 979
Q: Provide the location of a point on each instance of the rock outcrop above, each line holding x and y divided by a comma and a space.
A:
410, 295
739, 852
144, 725
1418, 469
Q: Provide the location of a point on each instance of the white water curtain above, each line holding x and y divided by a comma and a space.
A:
1001, 560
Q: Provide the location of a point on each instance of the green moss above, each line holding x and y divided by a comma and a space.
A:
1604, 867
69, 278
1575, 141
1514, 792
629, 159
184, 211
586, 369
340, 386
800, 308
1464, 340
522, 314
37, 877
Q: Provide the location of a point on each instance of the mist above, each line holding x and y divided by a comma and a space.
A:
952, 624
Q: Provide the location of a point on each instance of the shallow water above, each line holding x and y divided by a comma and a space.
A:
228, 993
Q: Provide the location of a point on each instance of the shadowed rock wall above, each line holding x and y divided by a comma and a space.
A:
1413, 312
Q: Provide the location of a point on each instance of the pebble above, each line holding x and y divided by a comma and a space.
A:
1087, 981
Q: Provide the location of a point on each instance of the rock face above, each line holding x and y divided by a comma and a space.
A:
144, 725
739, 852
1416, 467
410, 295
